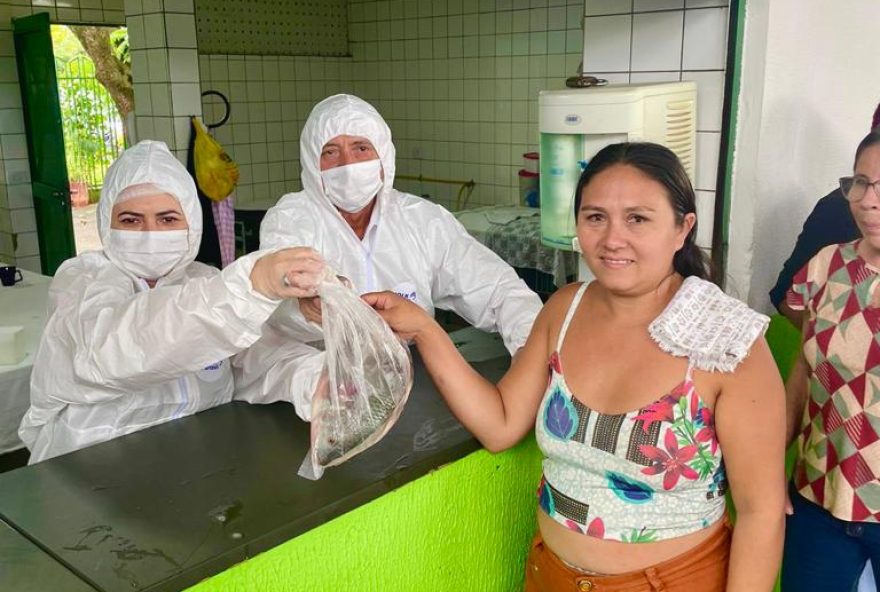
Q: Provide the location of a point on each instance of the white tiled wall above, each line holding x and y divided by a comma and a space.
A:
455, 80
662, 40
165, 69
458, 81
270, 97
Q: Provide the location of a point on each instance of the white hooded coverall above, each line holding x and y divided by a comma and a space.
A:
117, 356
412, 247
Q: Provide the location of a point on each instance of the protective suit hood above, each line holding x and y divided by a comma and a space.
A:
336, 116
151, 162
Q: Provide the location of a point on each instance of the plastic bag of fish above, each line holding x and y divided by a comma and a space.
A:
367, 378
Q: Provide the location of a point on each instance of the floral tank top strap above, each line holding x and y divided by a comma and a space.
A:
568, 316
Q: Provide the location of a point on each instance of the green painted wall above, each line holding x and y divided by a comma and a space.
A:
464, 527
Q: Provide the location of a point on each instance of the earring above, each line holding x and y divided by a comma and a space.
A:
576, 245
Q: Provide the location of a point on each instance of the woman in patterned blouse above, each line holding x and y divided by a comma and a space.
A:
834, 400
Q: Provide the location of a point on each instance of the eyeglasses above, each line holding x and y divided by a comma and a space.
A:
855, 188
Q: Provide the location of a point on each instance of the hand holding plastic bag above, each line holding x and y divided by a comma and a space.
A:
367, 378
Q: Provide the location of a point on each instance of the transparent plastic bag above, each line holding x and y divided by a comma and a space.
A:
367, 378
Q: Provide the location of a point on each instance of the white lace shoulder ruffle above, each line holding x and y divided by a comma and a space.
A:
706, 325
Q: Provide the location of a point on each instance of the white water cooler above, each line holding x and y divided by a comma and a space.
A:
576, 123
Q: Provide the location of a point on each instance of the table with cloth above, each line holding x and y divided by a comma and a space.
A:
514, 233
23, 304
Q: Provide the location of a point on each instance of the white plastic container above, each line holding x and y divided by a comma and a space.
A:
12, 350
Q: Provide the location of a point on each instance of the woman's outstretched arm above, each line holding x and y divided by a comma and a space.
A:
498, 415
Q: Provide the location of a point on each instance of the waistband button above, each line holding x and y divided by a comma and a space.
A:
585, 585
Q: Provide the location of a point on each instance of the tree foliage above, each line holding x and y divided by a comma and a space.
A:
121, 48
108, 49
93, 134
92, 114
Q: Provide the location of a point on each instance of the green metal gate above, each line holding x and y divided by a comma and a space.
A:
93, 130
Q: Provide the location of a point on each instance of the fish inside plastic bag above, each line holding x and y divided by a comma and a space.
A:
368, 374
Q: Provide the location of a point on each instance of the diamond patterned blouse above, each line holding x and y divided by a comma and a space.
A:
839, 445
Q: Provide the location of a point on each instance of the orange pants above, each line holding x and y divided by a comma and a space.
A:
701, 569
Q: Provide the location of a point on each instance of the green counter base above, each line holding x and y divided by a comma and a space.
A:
464, 527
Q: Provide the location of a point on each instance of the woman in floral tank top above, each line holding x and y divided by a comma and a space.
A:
834, 400
634, 384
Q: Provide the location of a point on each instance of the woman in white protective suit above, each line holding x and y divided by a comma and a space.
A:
139, 333
380, 239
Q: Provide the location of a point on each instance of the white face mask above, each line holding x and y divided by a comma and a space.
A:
149, 254
352, 186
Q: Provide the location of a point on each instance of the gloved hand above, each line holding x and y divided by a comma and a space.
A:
288, 273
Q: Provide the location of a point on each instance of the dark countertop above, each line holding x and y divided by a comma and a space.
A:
24, 566
166, 507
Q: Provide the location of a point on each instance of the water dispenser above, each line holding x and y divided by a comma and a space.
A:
576, 123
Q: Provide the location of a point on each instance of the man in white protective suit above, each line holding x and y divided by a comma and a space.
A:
138, 333
379, 239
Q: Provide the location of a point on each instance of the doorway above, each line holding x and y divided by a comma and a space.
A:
93, 72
